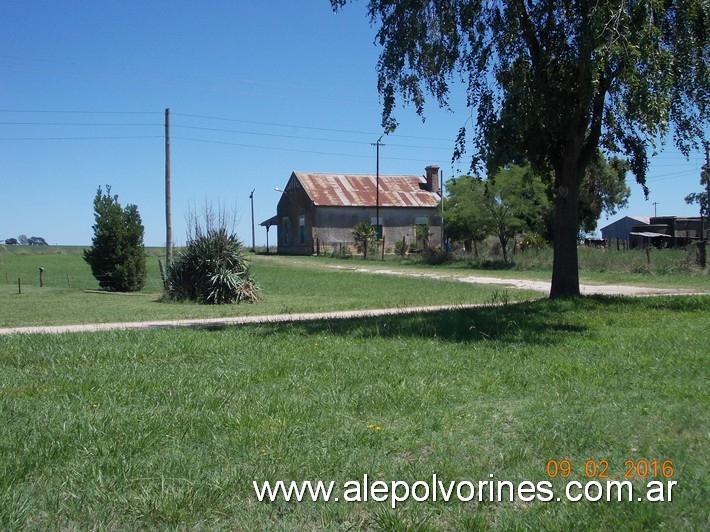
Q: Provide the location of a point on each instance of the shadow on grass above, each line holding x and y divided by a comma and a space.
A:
537, 322
541, 322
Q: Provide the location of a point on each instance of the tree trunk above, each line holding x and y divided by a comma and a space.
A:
565, 265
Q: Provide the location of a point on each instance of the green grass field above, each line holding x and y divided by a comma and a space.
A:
286, 288
168, 429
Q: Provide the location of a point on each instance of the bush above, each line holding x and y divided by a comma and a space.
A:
117, 255
212, 269
365, 236
341, 252
437, 256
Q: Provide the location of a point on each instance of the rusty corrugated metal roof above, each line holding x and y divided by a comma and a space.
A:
360, 190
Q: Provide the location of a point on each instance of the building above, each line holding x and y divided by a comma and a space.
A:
622, 228
317, 212
667, 231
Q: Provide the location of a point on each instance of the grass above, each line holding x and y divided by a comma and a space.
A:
668, 268
168, 429
287, 288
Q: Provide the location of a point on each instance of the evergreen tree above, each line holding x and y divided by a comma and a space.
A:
117, 256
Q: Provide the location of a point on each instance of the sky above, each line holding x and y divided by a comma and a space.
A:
256, 90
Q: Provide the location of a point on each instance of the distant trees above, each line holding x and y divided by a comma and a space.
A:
22, 240
117, 255
515, 200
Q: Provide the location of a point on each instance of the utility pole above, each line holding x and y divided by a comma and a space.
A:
377, 193
168, 213
253, 245
655, 209
441, 191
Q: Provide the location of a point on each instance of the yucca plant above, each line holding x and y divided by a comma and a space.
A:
212, 269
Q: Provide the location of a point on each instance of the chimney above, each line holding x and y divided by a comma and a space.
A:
432, 178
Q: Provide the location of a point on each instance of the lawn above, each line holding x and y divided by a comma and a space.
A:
661, 268
169, 428
70, 294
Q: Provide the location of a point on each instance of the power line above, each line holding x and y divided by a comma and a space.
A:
38, 111
85, 138
298, 137
333, 130
295, 150
84, 124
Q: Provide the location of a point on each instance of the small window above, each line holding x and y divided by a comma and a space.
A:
377, 222
302, 228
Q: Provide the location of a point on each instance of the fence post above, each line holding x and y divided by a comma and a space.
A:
19, 286
41, 277
383, 247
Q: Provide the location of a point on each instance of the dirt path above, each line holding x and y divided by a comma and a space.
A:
526, 284
215, 323
522, 284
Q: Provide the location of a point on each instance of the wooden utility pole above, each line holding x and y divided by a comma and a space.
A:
253, 240
168, 213
377, 192
443, 227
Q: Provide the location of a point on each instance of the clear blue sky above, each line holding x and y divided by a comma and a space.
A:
256, 90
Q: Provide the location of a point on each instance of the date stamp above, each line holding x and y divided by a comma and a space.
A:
632, 469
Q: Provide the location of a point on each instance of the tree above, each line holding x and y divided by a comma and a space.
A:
702, 199
12, 242
514, 200
364, 233
37, 241
551, 82
603, 190
463, 219
117, 255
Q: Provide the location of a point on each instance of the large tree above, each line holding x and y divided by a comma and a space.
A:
551, 82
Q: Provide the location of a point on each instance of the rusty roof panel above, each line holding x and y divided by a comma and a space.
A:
360, 190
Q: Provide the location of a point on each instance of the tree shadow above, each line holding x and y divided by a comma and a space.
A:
539, 323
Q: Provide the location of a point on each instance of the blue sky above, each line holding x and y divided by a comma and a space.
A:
256, 90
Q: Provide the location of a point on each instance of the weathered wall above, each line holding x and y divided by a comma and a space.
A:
334, 224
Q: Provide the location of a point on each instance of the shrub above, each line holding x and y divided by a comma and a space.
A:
364, 234
437, 256
341, 252
400, 248
212, 269
117, 255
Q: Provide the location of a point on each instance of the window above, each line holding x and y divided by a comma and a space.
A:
377, 222
302, 228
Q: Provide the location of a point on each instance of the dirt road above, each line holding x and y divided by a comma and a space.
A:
523, 284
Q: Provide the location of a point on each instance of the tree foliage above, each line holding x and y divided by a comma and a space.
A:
551, 82
117, 255
513, 202
603, 190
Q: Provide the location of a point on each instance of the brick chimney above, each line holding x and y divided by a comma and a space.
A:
432, 178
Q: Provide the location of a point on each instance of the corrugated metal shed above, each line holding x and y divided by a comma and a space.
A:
360, 190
